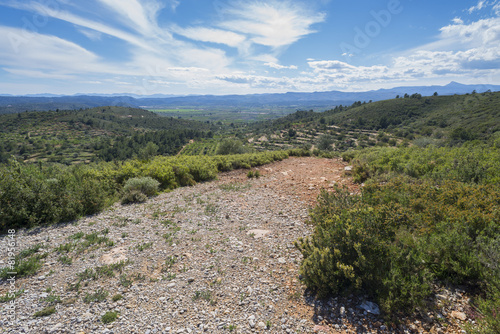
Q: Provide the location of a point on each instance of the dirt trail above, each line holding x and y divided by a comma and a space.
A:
303, 178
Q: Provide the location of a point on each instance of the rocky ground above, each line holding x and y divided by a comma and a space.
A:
217, 257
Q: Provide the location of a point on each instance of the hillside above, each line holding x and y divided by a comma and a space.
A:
104, 133
441, 120
218, 257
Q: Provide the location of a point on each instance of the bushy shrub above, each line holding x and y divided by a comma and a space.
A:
33, 195
230, 146
395, 239
138, 189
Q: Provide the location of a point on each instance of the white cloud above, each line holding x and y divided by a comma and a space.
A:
91, 34
280, 67
271, 23
480, 5
29, 50
139, 15
212, 35
38, 74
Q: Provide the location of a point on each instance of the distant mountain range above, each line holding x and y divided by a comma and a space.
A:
316, 100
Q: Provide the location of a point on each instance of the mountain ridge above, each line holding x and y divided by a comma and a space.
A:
318, 100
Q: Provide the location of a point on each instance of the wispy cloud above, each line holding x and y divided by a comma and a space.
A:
271, 23
211, 35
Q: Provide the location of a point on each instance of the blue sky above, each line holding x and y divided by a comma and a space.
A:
239, 47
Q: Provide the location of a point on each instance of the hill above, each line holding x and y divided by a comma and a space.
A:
104, 133
441, 120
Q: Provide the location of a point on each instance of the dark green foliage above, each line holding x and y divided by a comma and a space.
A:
470, 163
325, 143
31, 195
105, 133
396, 238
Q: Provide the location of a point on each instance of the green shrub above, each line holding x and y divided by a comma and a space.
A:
230, 146
32, 195
395, 239
98, 296
138, 189
45, 312
117, 297
109, 317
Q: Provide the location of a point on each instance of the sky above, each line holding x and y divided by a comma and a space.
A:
222, 47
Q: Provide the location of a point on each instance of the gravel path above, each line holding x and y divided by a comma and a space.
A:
217, 257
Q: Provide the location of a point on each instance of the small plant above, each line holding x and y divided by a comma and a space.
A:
124, 235
76, 236
65, 259
169, 277
142, 247
98, 296
170, 261
137, 190
250, 174
24, 267
124, 281
139, 277
117, 297
205, 295
74, 286
168, 223
45, 312
11, 296
109, 317
268, 324
232, 328
210, 209
53, 299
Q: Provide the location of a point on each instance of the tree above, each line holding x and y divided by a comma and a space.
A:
325, 142
435, 93
230, 146
149, 151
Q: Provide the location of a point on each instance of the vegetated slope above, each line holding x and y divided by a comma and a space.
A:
106, 133
477, 114
444, 120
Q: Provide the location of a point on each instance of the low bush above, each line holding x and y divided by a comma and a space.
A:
138, 189
109, 317
396, 238
33, 195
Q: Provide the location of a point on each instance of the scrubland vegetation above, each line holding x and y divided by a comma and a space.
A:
426, 217
428, 214
38, 194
